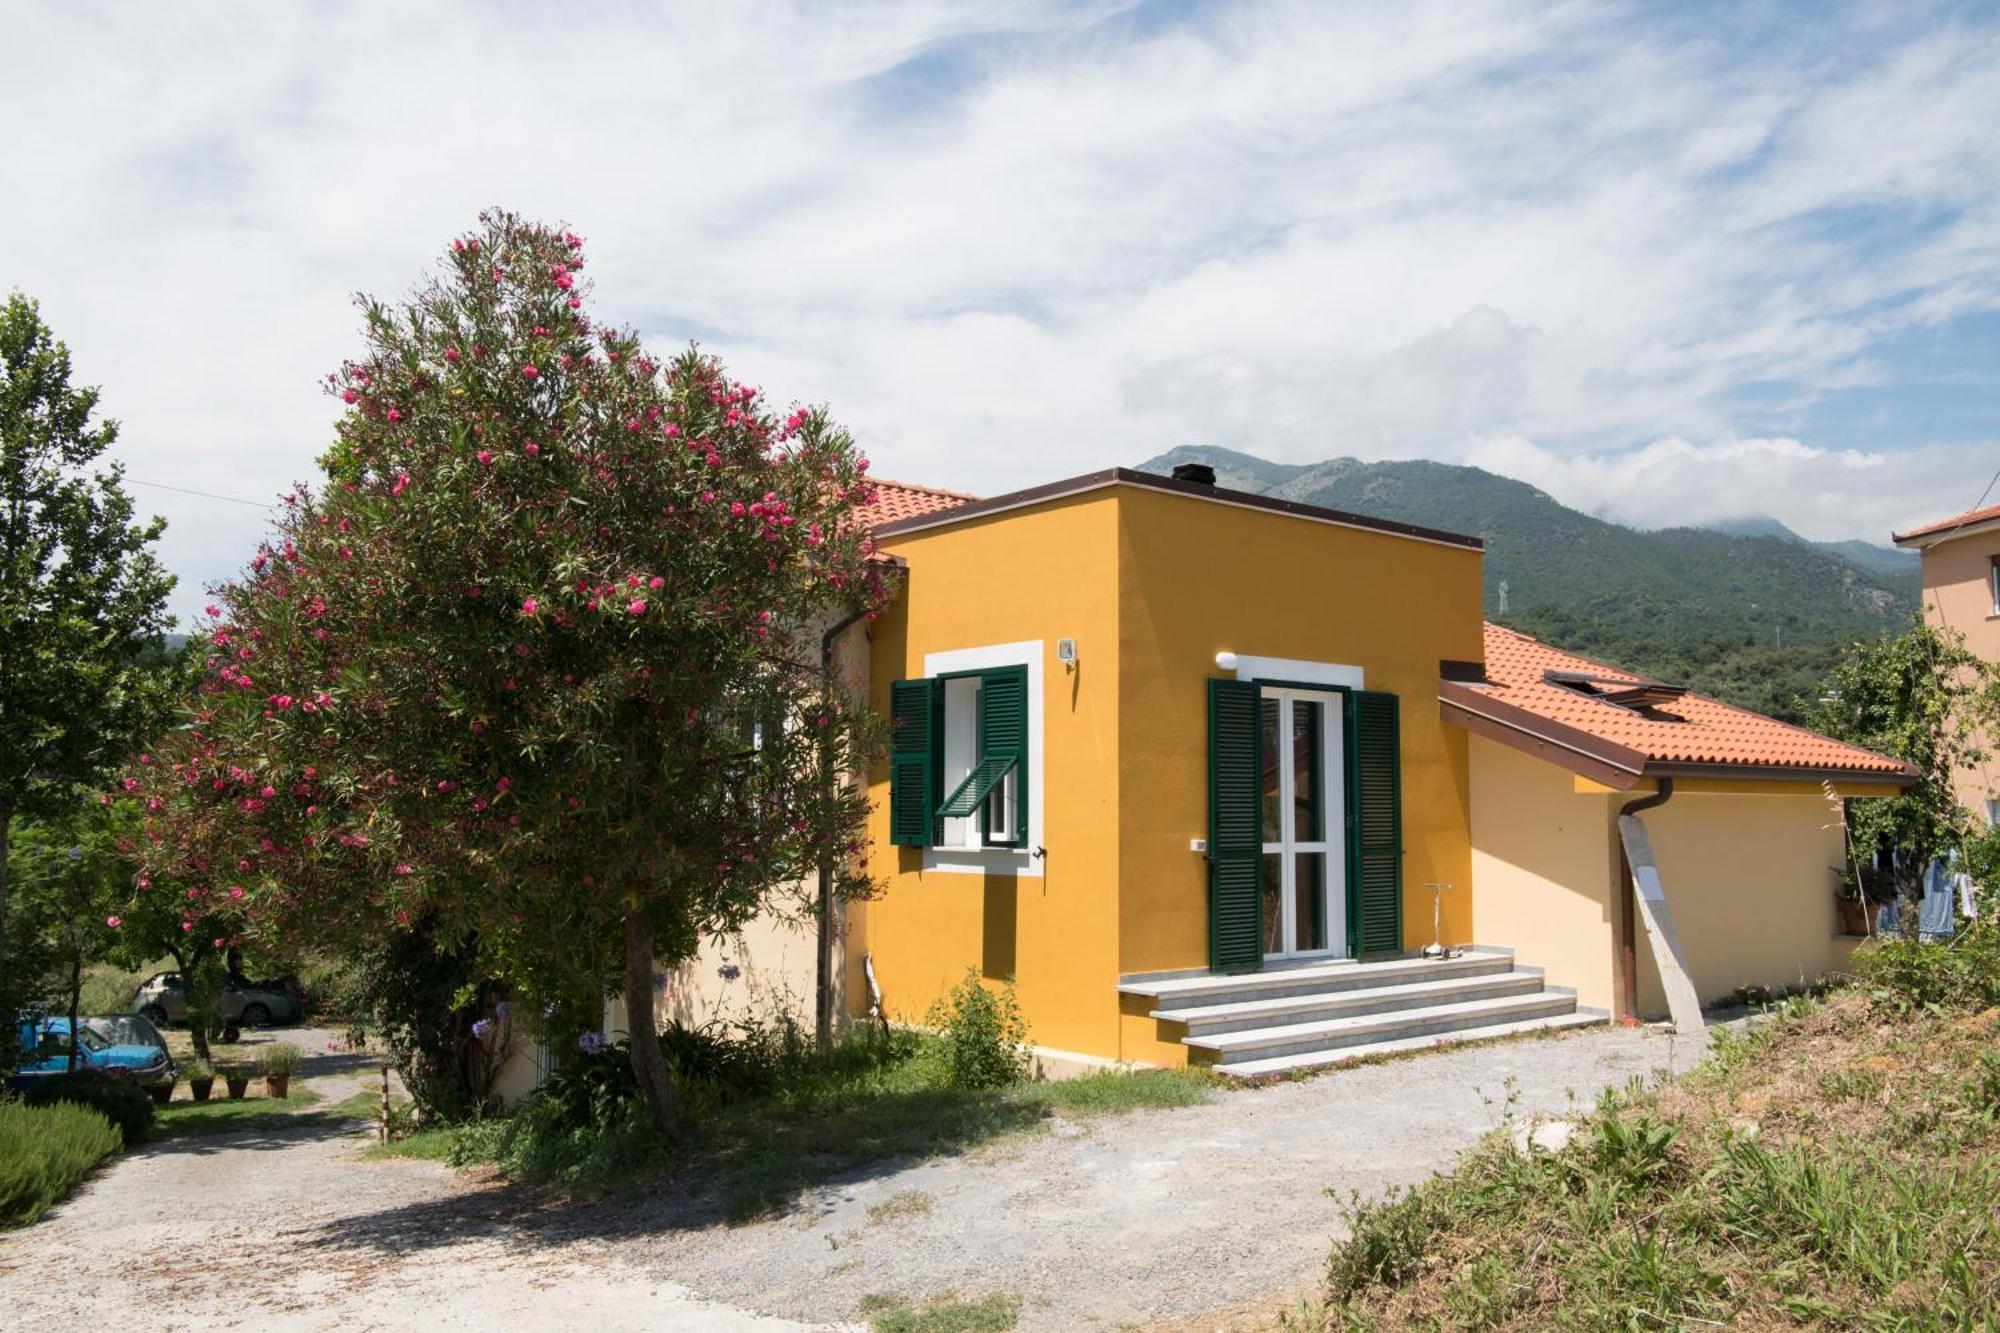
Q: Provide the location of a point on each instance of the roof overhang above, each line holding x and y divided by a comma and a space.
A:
1118, 476
1922, 539
1620, 766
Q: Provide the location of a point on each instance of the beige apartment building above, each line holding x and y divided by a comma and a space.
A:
1961, 556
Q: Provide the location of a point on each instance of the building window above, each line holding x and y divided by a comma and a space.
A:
1993, 582
959, 762
1993, 812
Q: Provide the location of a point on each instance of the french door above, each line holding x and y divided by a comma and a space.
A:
1302, 872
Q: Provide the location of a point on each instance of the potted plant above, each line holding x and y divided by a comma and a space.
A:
279, 1062
201, 1079
238, 1080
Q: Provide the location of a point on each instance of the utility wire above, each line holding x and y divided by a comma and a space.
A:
206, 495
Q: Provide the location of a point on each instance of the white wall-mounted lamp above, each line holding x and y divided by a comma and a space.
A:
1226, 661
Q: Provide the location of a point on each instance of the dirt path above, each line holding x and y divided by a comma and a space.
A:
1134, 1220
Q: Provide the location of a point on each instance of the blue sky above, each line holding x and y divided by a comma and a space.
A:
1671, 263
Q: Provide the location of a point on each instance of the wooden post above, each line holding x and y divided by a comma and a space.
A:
384, 1128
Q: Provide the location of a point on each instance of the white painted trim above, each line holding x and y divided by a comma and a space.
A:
1005, 860
1297, 672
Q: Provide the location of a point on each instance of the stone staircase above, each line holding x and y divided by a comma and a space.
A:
1261, 1024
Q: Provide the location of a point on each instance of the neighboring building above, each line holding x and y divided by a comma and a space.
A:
1961, 558
1184, 764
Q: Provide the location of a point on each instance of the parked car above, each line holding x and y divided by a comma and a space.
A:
45, 1048
162, 998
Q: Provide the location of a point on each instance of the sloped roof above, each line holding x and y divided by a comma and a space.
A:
896, 500
1688, 735
1931, 532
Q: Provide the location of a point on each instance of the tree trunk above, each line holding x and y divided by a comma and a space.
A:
200, 1012
6, 833
649, 1065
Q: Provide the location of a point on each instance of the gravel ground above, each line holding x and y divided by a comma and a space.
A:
1156, 1217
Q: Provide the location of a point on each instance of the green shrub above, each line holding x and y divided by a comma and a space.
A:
541, 1143
280, 1060
985, 1035
44, 1152
118, 1100
1963, 972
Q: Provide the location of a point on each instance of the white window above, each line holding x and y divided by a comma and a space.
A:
1993, 811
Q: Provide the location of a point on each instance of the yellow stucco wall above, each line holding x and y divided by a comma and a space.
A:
1750, 879
1043, 573
1543, 866
1747, 870
1958, 595
1200, 578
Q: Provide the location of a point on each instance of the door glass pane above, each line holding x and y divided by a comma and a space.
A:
1271, 885
1307, 803
1309, 892
1267, 725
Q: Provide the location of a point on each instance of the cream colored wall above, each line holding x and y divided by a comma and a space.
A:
1543, 868
1750, 880
1957, 594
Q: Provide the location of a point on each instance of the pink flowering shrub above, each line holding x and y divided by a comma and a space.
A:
536, 664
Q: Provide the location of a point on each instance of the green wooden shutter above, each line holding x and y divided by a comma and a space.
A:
1375, 836
1003, 738
914, 738
1235, 828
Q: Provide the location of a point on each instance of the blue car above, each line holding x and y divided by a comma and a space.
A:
122, 1045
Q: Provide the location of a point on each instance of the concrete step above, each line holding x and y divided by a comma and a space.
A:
1209, 989
1279, 1065
1226, 1048
1207, 1020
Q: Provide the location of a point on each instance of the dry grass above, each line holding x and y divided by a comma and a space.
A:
1837, 1168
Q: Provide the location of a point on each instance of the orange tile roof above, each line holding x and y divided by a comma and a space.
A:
1692, 730
1965, 520
902, 499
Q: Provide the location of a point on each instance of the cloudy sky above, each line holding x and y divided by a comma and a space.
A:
1672, 263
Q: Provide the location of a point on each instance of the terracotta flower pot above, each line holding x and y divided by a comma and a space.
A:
161, 1093
278, 1085
238, 1087
1853, 917
201, 1087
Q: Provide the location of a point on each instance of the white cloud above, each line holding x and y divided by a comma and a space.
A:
1012, 242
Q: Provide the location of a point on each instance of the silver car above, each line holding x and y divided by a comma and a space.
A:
162, 998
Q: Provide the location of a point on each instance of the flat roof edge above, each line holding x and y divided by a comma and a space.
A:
1118, 476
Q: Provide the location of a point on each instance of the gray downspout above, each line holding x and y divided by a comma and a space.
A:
1628, 924
823, 976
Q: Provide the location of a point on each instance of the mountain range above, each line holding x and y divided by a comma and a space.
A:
1750, 611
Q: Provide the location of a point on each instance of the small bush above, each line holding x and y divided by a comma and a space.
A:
985, 1035
44, 1152
280, 1060
121, 1102
1961, 973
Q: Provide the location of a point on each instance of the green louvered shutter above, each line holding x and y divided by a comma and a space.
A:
913, 764
1003, 738
1235, 829
1375, 840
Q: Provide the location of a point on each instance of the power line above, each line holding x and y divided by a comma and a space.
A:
206, 495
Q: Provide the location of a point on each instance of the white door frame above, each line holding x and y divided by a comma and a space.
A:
1332, 842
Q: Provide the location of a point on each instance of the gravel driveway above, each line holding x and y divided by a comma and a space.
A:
1140, 1220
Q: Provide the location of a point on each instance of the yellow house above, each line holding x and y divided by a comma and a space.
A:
1201, 773
1961, 556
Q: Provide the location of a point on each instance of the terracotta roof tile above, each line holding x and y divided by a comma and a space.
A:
1692, 729
901, 499
1965, 520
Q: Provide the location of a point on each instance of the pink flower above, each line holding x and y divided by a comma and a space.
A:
528, 606
402, 483
484, 455
564, 280
348, 396
236, 891
576, 303
656, 582
530, 372
113, 921
531, 448
394, 415
186, 927
635, 607
451, 354
403, 870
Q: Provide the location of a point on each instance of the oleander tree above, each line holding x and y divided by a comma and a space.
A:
534, 666
83, 668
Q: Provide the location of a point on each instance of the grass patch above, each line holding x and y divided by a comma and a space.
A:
810, 1116
1835, 1167
909, 1203
941, 1314
45, 1152
180, 1119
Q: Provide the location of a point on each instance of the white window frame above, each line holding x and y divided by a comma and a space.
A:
972, 857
